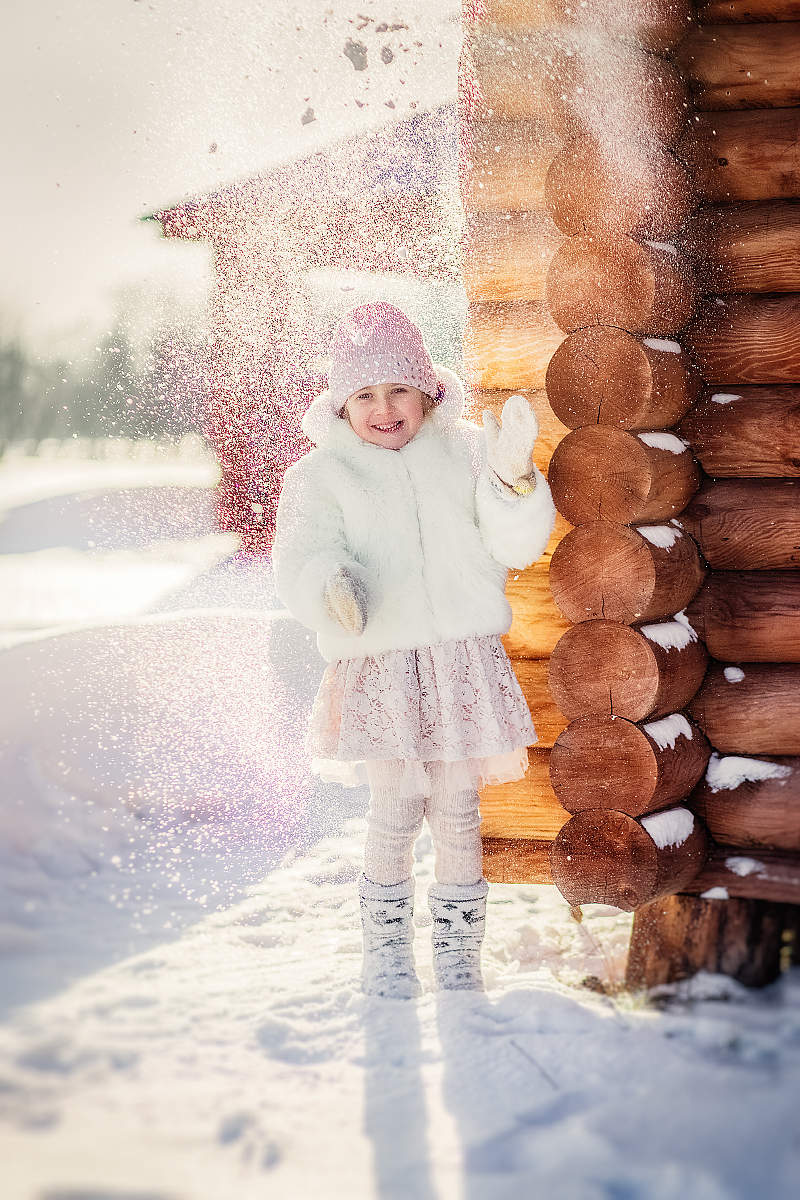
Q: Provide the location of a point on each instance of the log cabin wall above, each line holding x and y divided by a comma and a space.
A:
507, 145
743, 66
663, 255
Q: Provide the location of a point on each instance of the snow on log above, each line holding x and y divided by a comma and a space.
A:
745, 247
748, 155
508, 255
623, 574
606, 857
655, 24
613, 280
748, 801
742, 66
605, 668
677, 936
506, 164
746, 524
747, 339
751, 431
593, 187
605, 376
765, 875
508, 346
608, 762
598, 472
749, 616
757, 714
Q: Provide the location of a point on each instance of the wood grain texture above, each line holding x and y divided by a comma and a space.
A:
506, 165
759, 714
608, 570
754, 433
605, 376
601, 473
742, 66
676, 936
752, 616
605, 668
655, 24
508, 255
751, 247
608, 762
747, 339
755, 812
516, 860
508, 346
536, 623
747, 524
593, 188
748, 155
709, 11
548, 720
605, 857
614, 280
525, 808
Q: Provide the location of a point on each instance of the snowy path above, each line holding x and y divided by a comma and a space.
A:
180, 951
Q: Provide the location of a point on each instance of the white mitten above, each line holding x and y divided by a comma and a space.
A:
345, 601
510, 446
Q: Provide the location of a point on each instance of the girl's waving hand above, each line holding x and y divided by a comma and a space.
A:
510, 445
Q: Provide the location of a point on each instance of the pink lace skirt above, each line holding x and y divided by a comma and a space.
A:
456, 702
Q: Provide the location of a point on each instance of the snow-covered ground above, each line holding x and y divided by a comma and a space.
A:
179, 941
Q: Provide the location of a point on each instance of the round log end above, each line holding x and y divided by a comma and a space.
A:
604, 857
607, 857
604, 668
604, 762
603, 570
605, 376
614, 188
599, 472
613, 280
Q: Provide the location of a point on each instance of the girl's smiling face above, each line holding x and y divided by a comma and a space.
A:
387, 414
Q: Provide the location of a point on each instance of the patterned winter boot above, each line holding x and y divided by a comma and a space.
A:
387, 912
459, 920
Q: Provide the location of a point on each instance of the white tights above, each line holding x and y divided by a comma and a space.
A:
394, 822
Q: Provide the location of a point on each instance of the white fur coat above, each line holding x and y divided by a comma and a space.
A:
424, 528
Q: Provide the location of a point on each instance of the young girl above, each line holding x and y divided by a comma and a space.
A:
393, 541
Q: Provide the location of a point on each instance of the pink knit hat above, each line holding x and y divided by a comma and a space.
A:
377, 343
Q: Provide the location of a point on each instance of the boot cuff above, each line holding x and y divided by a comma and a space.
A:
459, 891
385, 891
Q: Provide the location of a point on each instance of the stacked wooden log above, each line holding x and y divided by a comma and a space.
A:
507, 144
604, 192
674, 383
744, 243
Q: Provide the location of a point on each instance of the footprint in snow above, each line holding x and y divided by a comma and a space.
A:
241, 1129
